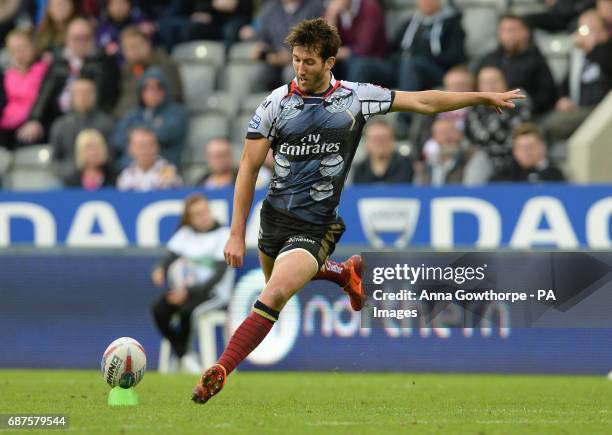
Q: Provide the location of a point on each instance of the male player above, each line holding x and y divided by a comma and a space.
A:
313, 126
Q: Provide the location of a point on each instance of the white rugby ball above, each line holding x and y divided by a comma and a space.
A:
124, 363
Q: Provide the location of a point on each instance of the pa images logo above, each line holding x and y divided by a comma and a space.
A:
339, 101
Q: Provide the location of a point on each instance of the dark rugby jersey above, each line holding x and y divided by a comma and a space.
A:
314, 139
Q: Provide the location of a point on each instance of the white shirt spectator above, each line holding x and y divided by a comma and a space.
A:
162, 175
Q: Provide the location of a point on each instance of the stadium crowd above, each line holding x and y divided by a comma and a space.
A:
104, 85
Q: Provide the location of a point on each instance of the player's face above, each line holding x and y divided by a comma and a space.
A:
312, 72
199, 215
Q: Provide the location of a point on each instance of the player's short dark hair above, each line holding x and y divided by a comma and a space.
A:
316, 35
527, 128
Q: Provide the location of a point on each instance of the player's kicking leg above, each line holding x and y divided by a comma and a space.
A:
347, 275
291, 272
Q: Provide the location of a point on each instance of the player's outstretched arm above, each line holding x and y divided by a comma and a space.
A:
253, 156
432, 102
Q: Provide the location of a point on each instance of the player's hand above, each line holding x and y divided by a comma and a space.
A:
505, 100
157, 276
234, 251
177, 296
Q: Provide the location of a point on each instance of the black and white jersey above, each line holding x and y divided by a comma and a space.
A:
314, 139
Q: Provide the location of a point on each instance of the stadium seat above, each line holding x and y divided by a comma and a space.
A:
202, 128
199, 79
480, 24
239, 128
250, 103
223, 102
34, 156
208, 52
5, 60
241, 51
31, 179
6, 158
240, 78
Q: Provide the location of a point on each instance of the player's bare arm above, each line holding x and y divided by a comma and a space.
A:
253, 156
432, 102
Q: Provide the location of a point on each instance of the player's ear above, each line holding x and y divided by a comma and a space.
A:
330, 62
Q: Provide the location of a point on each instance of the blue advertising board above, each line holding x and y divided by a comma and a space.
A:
61, 310
558, 216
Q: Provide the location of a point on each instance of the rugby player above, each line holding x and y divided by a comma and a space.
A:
313, 126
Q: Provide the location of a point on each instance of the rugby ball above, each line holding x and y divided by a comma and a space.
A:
124, 363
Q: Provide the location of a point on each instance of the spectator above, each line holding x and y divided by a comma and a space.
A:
189, 20
523, 64
220, 162
456, 161
140, 55
120, 14
457, 79
560, 15
384, 163
84, 115
361, 24
93, 170
589, 78
530, 163
276, 19
490, 130
148, 171
52, 30
429, 44
15, 14
80, 58
196, 275
157, 111
20, 86
604, 9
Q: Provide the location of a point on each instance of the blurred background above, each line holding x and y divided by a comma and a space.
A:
114, 111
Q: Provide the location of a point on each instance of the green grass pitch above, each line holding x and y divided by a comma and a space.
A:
326, 403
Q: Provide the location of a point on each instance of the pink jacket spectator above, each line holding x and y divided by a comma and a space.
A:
21, 93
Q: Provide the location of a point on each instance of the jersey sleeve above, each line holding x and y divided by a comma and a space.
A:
262, 123
375, 100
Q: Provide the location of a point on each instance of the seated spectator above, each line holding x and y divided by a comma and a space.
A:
457, 79
120, 14
276, 19
140, 55
190, 20
560, 15
220, 162
80, 58
429, 44
84, 115
455, 161
93, 170
491, 130
604, 9
20, 85
148, 171
530, 163
384, 163
194, 275
157, 111
15, 14
588, 81
54, 25
361, 25
523, 64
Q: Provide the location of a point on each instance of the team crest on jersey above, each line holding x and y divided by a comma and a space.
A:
291, 106
339, 101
